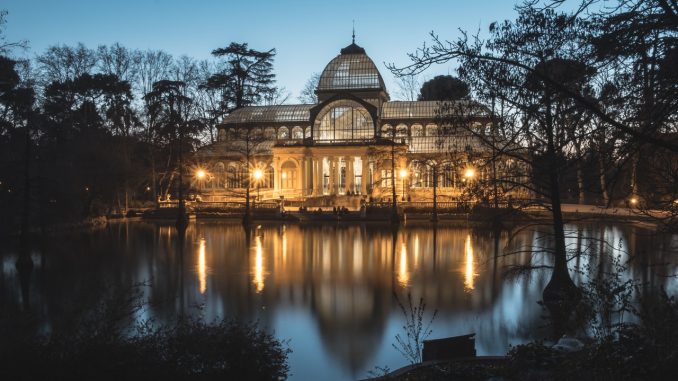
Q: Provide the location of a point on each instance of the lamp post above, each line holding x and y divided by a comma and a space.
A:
258, 175
403, 177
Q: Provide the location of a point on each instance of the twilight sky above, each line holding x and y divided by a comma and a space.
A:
306, 34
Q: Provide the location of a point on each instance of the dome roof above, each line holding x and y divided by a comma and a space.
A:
351, 70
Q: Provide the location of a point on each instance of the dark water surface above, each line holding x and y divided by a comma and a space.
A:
328, 289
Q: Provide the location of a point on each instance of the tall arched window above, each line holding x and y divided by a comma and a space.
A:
288, 175
232, 176
219, 176
270, 177
344, 120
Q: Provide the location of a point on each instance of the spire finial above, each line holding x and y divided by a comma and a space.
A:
354, 31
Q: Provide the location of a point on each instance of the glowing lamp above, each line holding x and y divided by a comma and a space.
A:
200, 174
258, 174
469, 173
403, 173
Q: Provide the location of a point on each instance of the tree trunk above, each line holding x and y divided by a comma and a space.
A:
603, 182
560, 294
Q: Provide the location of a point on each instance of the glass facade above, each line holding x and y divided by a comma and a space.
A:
344, 121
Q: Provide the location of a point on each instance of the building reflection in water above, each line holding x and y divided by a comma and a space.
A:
330, 289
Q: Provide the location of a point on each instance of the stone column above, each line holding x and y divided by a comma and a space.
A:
349, 174
377, 177
314, 175
331, 162
302, 175
276, 175
366, 169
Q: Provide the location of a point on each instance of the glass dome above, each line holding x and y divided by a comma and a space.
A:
351, 70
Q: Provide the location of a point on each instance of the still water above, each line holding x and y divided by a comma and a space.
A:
331, 291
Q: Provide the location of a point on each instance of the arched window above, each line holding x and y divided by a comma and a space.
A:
431, 130
270, 177
230, 134
448, 176
232, 176
401, 131
417, 130
283, 133
257, 133
288, 175
307, 132
386, 131
219, 176
269, 133
297, 133
221, 136
344, 120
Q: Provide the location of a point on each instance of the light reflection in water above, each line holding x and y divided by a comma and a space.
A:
202, 267
331, 289
468, 273
403, 274
258, 264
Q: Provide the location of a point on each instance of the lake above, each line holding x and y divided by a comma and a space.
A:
332, 291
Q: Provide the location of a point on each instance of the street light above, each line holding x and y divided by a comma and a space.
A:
258, 174
403, 176
470, 173
200, 174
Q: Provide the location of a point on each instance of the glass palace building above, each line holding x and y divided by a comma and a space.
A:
353, 144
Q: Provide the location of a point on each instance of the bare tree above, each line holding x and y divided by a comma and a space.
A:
308, 94
409, 87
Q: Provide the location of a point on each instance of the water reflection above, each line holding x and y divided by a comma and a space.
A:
403, 274
330, 289
258, 269
202, 267
468, 270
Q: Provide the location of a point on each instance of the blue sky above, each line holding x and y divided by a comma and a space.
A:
306, 34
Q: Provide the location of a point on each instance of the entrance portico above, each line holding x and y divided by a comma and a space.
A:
322, 171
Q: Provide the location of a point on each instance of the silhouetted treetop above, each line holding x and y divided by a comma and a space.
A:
444, 88
246, 78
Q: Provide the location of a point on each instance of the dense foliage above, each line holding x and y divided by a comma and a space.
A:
90, 132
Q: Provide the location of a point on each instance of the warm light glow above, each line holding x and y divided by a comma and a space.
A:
403, 274
258, 265
258, 174
634, 200
469, 173
200, 173
202, 267
468, 272
403, 173
284, 175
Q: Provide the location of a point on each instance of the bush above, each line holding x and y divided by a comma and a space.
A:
100, 341
188, 350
